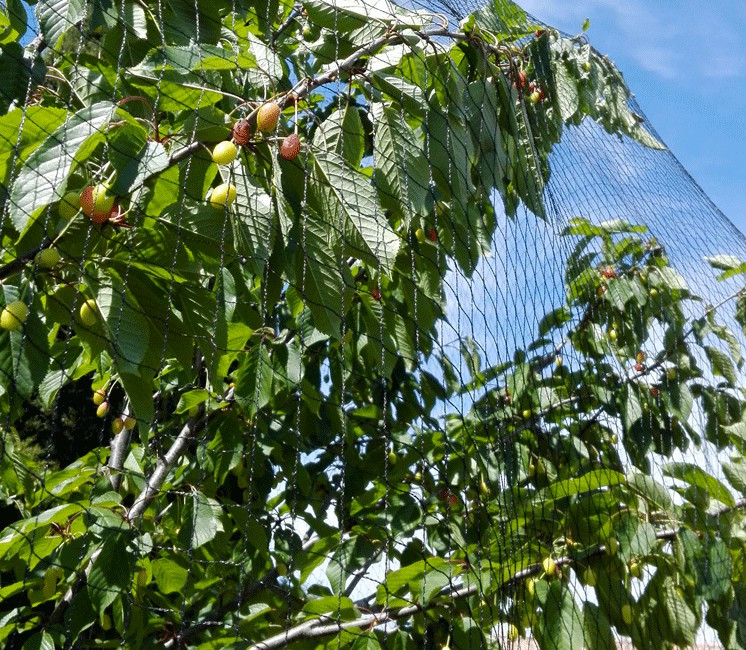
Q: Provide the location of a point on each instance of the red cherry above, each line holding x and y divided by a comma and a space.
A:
376, 294
655, 392
539, 33
639, 367
432, 234
290, 147
241, 132
522, 78
609, 273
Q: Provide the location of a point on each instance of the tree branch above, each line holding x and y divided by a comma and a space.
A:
321, 627
119, 445
167, 461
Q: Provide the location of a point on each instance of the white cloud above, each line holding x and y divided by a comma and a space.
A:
684, 40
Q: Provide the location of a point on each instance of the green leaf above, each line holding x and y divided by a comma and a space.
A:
504, 18
527, 171
253, 379
347, 15
252, 218
110, 573
597, 629
170, 577
694, 475
322, 279
410, 97
722, 365
18, 143
636, 538
586, 483
681, 618
190, 399
201, 520
714, 571
342, 132
344, 193
57, 16
24, 353
42, 179
146, 163
39, 641
725, 262
735, 472
366, 641
560, 625
401, 170
336, 604
350, 556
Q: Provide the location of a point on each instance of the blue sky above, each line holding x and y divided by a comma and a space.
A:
685, 60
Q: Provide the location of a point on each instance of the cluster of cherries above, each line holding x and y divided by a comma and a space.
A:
225, 152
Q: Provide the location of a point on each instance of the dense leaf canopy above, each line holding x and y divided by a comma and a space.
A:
282, 449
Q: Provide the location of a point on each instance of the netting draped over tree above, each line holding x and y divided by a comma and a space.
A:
348, 324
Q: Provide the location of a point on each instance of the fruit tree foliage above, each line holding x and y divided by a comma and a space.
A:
229, 226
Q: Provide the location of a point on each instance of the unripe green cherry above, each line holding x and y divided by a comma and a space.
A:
47, 258
671, 374
14, 315
420, 235
526, 414
392, 458
549, 566
513, 632
102, 409
129, 422
612, 335
99, 396
612, 546
224, 153
222, 195
531, 586
88, 313
635, 570
117, 426
627, 614
69, 205
654, 293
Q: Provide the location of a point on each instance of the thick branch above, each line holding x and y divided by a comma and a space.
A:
119, 446
165, 463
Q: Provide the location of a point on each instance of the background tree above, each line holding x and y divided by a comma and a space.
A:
231, 225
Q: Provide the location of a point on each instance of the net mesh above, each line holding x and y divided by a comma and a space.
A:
356, 325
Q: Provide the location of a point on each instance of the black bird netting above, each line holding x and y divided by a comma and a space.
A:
348, 324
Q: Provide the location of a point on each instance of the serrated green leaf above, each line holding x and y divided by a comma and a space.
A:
57, 16
401, 171
344, 192
42, 179
696, 476
325, 284
342, 132
110, 573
